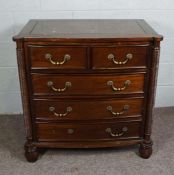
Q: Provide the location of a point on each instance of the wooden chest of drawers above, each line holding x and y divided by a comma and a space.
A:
87, 83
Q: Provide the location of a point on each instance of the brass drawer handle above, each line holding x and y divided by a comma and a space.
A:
111, 57
125, 108
51, 85
117, 134
68, 110
126, 84
66, 57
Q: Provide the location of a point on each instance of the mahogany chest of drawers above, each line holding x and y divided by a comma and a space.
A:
87, 83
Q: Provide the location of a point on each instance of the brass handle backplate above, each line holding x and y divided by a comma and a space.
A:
66, 57
117, 134
125, 108
51, 85
111, 57
68, 110
126, 84
70, 131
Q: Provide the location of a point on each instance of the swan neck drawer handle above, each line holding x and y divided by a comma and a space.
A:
117, 134
111, 57
126, 84
68, 110
125, 109
51, 85
66, 57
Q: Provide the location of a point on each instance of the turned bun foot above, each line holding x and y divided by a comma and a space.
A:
145, 150
31, 153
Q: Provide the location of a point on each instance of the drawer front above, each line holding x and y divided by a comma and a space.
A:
119, 57
97, 131
58, 57
87, 84
87, 109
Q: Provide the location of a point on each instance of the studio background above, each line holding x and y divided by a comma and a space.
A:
14, 14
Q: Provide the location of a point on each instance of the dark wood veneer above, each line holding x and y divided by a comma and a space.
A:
87, 109
100, 57
87, 84
89, 123
86, 132
78, 58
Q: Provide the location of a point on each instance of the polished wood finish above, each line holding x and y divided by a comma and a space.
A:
86, 132
87, 144
87, 30
87, 83
138, 60
78, 56
87, 109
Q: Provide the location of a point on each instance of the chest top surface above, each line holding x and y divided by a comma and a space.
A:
87, 29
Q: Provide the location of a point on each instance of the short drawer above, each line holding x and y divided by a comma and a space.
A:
119, 57
46, 109
57, 57
83, 131
51, 84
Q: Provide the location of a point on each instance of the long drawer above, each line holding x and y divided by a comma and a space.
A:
84, 132
49, 109
52, 84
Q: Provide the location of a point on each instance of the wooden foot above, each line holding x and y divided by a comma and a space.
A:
145, 149
31, 152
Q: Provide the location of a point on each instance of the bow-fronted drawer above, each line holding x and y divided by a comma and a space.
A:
68, 109
87, 84
86, 132
57, 57
120, 57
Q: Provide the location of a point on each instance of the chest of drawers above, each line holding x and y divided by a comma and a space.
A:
87, 83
